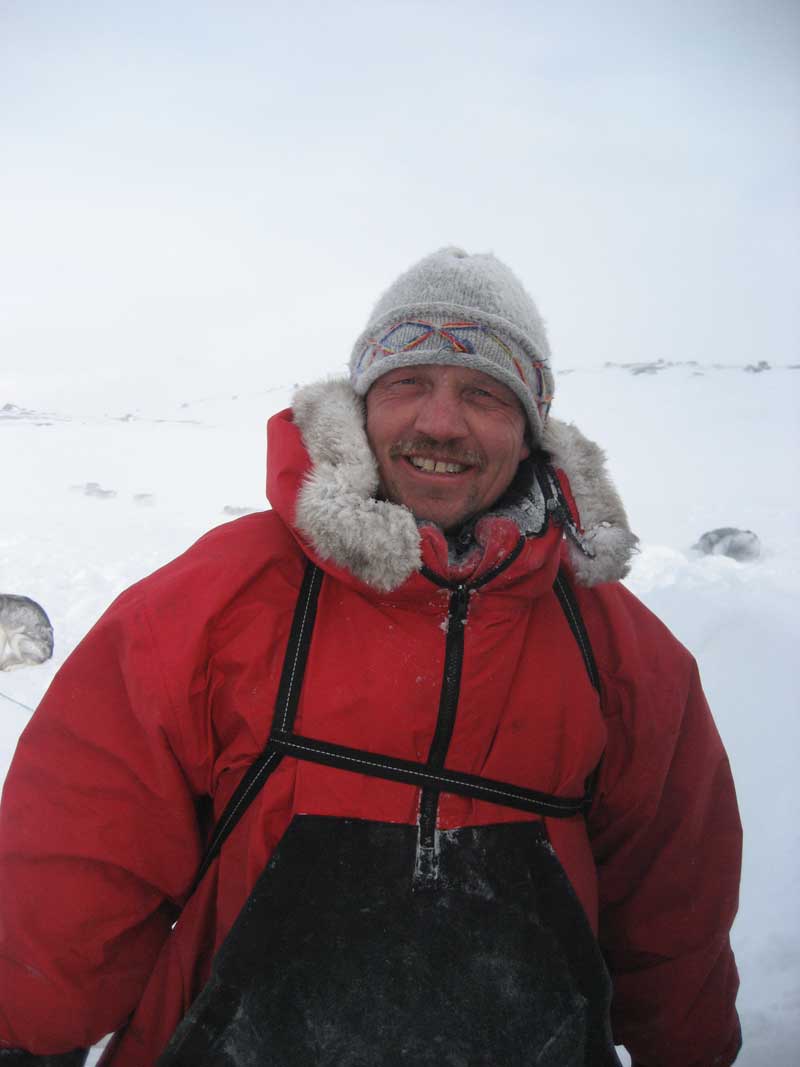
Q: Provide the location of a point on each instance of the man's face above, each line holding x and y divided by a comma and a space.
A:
448, 440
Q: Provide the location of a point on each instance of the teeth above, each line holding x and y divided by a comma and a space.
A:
437, 466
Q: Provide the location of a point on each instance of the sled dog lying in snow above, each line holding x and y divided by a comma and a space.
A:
26, 636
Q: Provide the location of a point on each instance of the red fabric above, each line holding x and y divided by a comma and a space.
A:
169, 698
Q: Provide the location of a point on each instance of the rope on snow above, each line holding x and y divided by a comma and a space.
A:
18, 702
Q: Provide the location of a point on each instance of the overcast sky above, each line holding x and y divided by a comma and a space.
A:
224, 189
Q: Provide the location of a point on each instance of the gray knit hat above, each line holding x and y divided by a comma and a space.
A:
453, 308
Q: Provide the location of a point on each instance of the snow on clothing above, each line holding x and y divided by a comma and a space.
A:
169, 699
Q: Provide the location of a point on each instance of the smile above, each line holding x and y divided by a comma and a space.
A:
435, 466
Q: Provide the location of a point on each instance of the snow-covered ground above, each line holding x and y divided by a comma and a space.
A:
97, 491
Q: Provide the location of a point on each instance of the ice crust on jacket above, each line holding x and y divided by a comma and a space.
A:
379, 542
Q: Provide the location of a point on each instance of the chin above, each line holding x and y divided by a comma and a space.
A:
447, 521
446, 514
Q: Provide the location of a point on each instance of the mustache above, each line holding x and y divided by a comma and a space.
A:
429, 448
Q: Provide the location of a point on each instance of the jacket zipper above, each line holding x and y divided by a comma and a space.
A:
445, 722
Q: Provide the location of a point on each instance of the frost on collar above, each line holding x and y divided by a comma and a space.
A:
378, 542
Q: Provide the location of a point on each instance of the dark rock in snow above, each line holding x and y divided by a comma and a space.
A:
96, 490
646, 368
12, 411
26, 636
741, 545
757, 368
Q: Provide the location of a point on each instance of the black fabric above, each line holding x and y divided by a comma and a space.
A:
337, 960
17, 1057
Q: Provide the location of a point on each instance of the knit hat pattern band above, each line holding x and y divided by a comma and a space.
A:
456, 309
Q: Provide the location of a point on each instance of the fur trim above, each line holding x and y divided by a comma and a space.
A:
336, 510
603, 551
379, 542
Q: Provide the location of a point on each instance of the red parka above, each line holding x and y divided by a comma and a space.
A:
153, 720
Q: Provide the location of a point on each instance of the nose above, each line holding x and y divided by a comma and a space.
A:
440, 416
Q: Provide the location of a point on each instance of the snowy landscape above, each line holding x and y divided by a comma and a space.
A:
200, 202
100, 489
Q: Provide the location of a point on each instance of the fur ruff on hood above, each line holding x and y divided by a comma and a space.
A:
379, 542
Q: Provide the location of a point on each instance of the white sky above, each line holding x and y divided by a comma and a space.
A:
222, 190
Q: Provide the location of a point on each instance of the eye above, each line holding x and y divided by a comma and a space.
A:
481, 394
405, 381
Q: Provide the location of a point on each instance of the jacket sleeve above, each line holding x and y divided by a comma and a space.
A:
98, 841
667, 843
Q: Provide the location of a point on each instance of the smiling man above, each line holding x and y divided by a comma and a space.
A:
448, 440
467, 802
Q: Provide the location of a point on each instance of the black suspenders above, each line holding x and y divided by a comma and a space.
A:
283, 741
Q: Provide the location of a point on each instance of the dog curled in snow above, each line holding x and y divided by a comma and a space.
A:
26, 635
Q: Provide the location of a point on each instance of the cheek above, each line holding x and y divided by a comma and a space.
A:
380, 425
381, 437
373, 428
509, 445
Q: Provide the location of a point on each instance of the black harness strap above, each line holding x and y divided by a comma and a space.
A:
294, 666
294, 663
569, 605
284, 742
420, 774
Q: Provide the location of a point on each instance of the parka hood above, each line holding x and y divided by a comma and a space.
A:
338, 512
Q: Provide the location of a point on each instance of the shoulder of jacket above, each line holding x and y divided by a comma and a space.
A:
631, 645
213, 570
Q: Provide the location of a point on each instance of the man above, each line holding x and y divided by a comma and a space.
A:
456, 769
